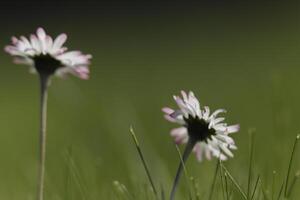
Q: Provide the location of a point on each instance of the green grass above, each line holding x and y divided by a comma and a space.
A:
226, 188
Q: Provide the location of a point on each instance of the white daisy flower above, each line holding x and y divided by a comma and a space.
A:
209, 134
48, 56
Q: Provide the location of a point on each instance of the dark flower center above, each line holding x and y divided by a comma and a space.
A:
46, 64
198, 129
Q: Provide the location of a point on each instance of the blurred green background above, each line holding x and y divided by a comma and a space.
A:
240, 56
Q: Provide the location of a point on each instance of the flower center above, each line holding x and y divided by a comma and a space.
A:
46, 64
198, 129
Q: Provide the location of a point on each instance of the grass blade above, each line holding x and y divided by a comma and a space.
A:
214, 182
137, 145
122, 190
183, 164
235, 183
290, 166
226, 186
280, 192
297, 175
76, 175
163, 195
255, 187
251, 149
195, 186
273, 184
222, 182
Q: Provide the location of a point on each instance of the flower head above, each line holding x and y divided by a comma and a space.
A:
208, 131
49, 56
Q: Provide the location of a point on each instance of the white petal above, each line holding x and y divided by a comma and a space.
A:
35, 44
184, 95
206, 113
233, 129
41, 33
224, 138
58, 42
214, 114
226, 150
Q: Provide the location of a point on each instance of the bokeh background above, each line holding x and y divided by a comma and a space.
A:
242, 56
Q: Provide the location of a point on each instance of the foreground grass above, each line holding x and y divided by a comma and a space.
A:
223, 186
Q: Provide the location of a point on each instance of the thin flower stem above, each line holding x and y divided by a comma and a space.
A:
188, 149
44, 79
188, 179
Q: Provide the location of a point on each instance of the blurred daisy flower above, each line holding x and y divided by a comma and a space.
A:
48, 56
205, 131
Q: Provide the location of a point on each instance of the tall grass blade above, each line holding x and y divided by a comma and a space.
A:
122, 190
214, 182
137, 145
255, 187
290, 166
280, 191
162, 194
235, 183
77, 177
226, 186
68, 194
183, 164
195, 187
296, 177
273, 184
251, 149
222, 181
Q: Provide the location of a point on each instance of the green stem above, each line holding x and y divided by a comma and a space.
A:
188, 149
44, 79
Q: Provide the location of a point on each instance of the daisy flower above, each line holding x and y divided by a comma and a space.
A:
208, 132
205, 133
48, 56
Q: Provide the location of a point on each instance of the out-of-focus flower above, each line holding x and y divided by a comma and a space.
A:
48, 56
209, 134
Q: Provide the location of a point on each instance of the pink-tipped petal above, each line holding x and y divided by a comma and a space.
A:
167, 110
58, 42
41, 33
82, 72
